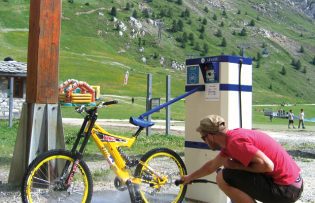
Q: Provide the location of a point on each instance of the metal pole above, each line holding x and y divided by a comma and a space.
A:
168, 108
148, 102
11, 102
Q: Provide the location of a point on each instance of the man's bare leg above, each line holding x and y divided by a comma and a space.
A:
236, 195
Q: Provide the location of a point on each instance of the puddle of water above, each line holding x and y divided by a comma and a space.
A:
110, 196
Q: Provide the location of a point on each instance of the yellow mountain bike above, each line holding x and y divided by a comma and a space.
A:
63, 176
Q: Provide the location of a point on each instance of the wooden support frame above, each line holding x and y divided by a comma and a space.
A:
40, 126
43, 51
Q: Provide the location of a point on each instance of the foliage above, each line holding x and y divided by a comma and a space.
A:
218, 33
243, 32
252, 23
109, 55
223, 43
206, 9
113, 11
283, 71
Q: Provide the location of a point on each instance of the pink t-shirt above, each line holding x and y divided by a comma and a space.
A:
242, 145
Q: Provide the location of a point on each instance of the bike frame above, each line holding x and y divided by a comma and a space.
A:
109, 145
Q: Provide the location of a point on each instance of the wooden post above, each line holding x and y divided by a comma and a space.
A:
43, 52
40, 124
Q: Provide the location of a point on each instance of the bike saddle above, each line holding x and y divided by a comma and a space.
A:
140, 122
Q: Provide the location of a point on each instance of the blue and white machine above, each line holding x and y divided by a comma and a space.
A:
225, 89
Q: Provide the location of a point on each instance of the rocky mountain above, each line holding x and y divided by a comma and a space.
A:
157, 36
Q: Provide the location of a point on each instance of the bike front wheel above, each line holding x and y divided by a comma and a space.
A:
158, 170
45, 179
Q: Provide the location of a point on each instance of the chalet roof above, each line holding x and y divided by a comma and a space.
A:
13, 68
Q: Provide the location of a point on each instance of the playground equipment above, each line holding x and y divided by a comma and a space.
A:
72, 92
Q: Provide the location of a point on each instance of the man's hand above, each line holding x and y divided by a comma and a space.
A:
186, 179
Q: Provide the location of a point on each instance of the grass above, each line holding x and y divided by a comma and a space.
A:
98, 61
125, 108
141, 146
261, 121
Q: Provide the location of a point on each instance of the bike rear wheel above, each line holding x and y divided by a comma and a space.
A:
158, 170
44, 180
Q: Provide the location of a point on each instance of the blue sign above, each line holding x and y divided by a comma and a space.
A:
192, 74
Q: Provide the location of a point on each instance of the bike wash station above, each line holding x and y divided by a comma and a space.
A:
219, 85
224, 86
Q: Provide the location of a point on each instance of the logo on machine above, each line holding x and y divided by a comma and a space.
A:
210, 72
209, 75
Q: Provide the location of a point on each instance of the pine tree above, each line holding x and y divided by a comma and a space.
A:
298, 65
302, 49
258, 64
197, 46
283, 71
146, 13
223, 43
113, 11
127, 8
187, 13
191, 38
135, 14
185, 37
214, 17
204, 21
243, 32
252, 23
293, 62
179, 2
258, 56
224, 13
202, 29
205, 48
206, 9
313, 62
304, 70
174, 26
218, 33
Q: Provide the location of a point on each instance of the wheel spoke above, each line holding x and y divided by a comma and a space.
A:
159, 169
44, 182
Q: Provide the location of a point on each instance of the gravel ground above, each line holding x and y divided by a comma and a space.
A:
300, 144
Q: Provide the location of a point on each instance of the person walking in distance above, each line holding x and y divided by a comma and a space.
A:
301, 119
291, 118
256, 167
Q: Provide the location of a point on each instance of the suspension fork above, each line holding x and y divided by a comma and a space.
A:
79, 155
73, 169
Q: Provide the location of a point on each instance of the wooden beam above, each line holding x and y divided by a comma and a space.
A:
43, 51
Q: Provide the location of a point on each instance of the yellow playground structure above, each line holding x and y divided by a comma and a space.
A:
73, 92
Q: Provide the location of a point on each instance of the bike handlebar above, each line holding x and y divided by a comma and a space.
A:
83, 108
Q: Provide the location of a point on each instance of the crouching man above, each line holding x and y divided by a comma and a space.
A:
256, 167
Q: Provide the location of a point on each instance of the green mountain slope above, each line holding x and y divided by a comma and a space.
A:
100, 42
